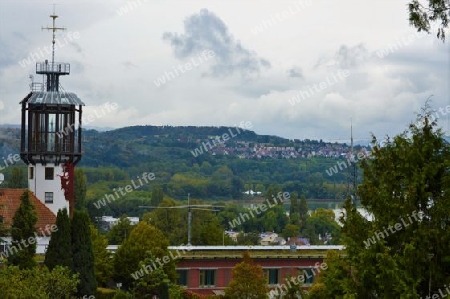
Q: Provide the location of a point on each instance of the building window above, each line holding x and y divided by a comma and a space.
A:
48, 197
182, 277
3, 247
31, 173
308, 275
207, 277
49, 173
272, 276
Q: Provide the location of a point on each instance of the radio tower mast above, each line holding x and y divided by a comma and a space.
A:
352, 174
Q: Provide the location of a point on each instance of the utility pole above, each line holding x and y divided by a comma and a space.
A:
189, 223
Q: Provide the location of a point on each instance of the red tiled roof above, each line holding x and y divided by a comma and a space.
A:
10, 202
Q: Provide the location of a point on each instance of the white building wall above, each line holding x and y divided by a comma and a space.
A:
39, 185
41, 244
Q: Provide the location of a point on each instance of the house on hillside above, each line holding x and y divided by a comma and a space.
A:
299, 241
268, 238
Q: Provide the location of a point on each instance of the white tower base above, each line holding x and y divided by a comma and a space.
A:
45, 183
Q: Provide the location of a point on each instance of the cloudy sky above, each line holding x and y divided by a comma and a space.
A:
296, 69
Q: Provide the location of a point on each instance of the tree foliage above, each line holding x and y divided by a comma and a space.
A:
248, 281
83, 256
322, 222
303, 210
155, 283
59, 251
157, 196
404, 251
80, 189
22, 233
120, 231
422, 17
38, 283
103, 262
18, 178
144, 239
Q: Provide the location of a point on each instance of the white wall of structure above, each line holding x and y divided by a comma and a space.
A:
47, 187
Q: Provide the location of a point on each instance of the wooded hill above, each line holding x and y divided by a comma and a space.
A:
225, 169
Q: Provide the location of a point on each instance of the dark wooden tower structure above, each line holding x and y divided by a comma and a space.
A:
51, 134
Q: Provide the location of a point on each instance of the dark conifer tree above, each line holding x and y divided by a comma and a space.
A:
23, 228
59, 252
83, 256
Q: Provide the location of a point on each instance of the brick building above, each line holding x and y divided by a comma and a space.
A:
208, 269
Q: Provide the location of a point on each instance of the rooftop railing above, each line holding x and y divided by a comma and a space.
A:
46, 67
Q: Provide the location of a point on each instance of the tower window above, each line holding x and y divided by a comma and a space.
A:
48, 197
31, 173
49, 173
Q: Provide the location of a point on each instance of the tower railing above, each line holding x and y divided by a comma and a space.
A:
36, 86
46, 67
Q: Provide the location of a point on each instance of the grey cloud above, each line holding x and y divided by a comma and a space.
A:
206, 31
129, 65
76, 46
349, 57
295, 72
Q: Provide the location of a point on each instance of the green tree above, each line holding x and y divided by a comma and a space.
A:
83, 256
421, 17
59, 251
294, 209
18, 179
274, 219
248, 281
290, 290
157, 196
80, 189
37, 283
120, 231
237, 187
303, 210
291, 230
143, 239
404, 251
323, 223
272, 192
170, 220
22, 233
155, 283
103, 262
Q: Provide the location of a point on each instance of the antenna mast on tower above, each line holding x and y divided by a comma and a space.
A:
351, 179
54, 29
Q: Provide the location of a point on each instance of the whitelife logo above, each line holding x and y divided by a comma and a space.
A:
259, 209
221, 139
104, 109
398, 226
128, 188
329, 81
49, 229
39, 54
9, 161
206, 54
279, 17
161, 262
